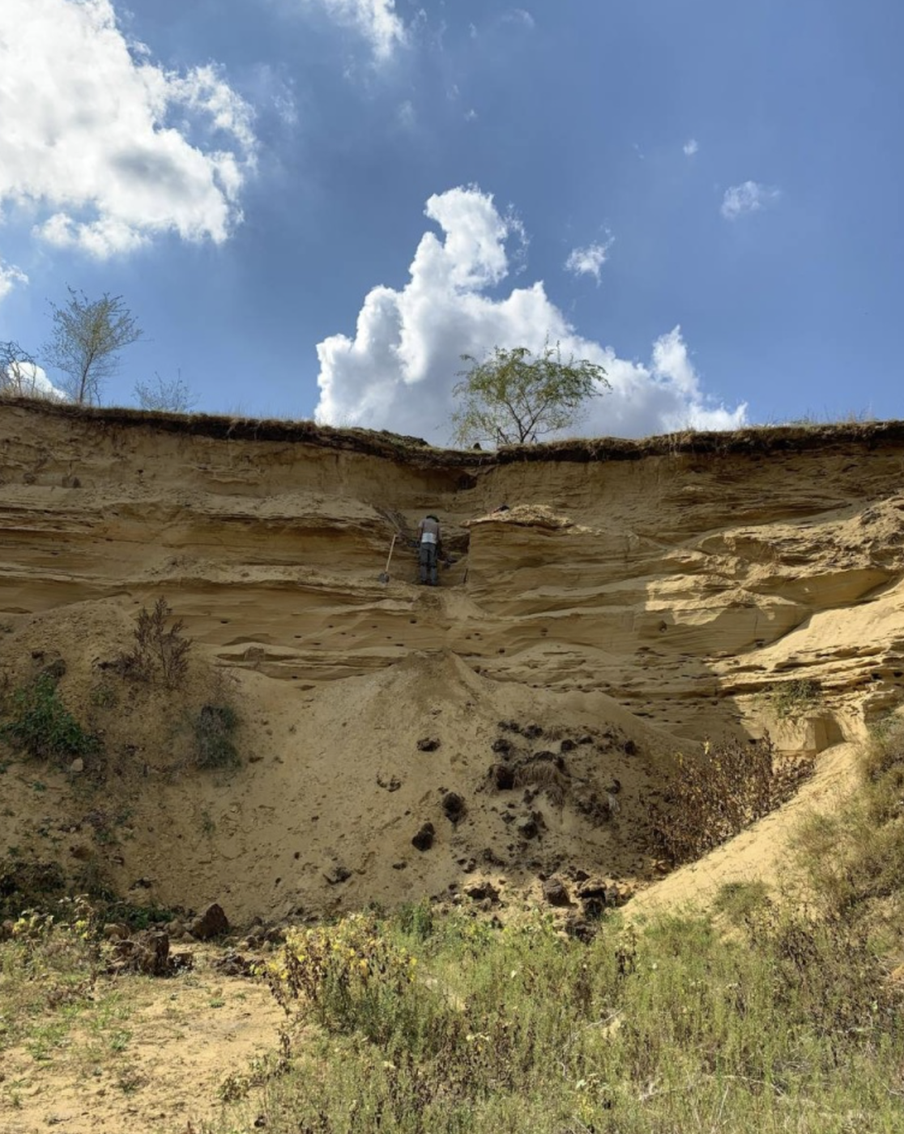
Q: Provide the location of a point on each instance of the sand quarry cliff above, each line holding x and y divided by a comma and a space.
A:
634, 599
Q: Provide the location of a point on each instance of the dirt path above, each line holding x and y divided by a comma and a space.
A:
155, 1063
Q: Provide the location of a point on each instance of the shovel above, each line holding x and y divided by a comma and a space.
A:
383, 577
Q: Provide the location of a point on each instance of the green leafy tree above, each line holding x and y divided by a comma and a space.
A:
514, 396
86, 340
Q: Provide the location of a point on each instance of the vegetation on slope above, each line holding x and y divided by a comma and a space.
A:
764, 1016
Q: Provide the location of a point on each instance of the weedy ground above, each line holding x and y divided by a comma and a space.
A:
759, 1015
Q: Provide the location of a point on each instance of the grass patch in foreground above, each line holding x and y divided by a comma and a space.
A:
789, 1025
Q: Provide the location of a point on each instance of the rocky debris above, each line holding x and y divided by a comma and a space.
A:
6, 930
629, 748
567, 745
148, 953
212, 923
532, 731
423, 840
577, 926
596, 894
77, 766
262, 935
530, 826
453, 807
428, 744
337, 874
501, 746
597, 810
502, 777
391, 784
482, 890
556, 892
234, 964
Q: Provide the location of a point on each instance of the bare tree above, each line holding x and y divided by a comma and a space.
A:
170, 395
20, 375
86, 340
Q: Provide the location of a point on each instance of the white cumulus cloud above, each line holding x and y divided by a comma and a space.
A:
398, 370
10, 275
28, 380
102, 148
589, 260
690, 147
748, 197
376, 20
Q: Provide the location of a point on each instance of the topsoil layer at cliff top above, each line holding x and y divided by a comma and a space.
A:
415, 450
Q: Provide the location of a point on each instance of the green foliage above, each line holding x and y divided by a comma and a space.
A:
213, 744
855, 856
160, 653
790, 700
85, 342
43, 727
513, 396
715, 795
788, 1025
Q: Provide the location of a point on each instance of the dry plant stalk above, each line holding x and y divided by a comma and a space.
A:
159, 653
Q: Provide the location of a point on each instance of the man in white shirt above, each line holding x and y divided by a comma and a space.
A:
428, 549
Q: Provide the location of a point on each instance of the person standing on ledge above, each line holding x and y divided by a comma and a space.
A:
428, 550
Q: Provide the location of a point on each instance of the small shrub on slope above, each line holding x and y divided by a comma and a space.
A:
791, 699
212, 728
43, 726
159, 654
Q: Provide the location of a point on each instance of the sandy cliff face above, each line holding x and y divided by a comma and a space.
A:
632, 599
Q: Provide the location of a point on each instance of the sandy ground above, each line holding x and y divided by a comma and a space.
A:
186, 1035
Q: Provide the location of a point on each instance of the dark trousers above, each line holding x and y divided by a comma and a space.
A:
427, 563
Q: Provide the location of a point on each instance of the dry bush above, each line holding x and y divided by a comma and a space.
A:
159, 653
719, 793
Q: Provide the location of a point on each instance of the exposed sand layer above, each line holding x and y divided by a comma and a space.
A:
637, 600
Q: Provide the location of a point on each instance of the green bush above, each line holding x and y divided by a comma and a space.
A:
43, 727
213, 744
789, 700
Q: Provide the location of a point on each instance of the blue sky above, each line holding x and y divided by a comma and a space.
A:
702, 196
